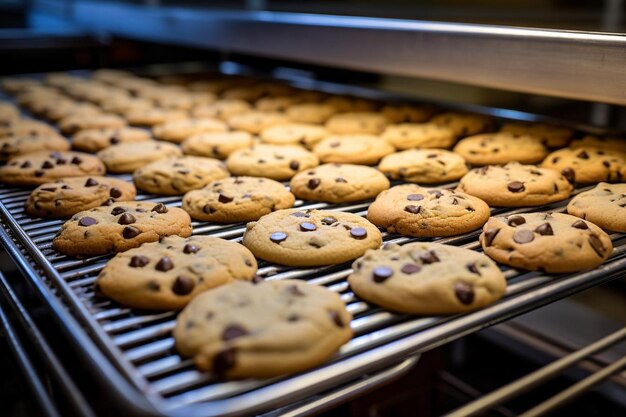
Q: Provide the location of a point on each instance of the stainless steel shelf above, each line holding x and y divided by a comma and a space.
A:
568, 64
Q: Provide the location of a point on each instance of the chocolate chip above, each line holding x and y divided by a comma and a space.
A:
516, 221
294, 165
208, 209
473, 268
278, 237
328, 221
523, 236
307, 227
340, 179
436, 193
91, 182
412, 209
294, 290
61, 161
224, 199
47, 165
382, 273
49, 189
292, 318
516, 186
597, 245
544, 230
224, 360
26, 164
569, 174
76, 160
464, 292
66, 187
299, 214
160, 208
232, 332
126, 218
334, 316
139, 261
313, 183
490, 235
118, 210
411, 268
130, 232
154, 286
579, 224
190, 248
358, 233
414, 197
87, 221
429, 257
335, 144
183, 285
39, 173
583, 155
164, 264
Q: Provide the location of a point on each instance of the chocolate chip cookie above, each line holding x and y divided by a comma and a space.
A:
554, 243
464, 124
304, 134
19, 145
588, 165
74, 123
166, 275
357, 123
605, 206
412, 210
68, 196
222, 109
424, 166
216, 145
237, 199
310, 112
310, 238
143, 116
516, 185
501, 148
407, 113
8, 113
338, 183
245, 330
419, 135
359, 149
255, 122
176, 176
41, 167
427, 278
613, 143
127, 157
119, 227
271, 161
94, 140
178, 130
551, 136
25, 127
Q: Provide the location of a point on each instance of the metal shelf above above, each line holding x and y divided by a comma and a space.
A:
568, 64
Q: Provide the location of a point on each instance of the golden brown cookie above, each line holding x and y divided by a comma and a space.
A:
271, 161
216, 145
353, 149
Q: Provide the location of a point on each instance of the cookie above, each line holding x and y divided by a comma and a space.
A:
427, 278
222, 109
237, 199
94, 140
166, 275
501, 148
357, 122
256, 121
57, 110
247, 93
551, 136
294, 133
153, 116
353, 149
178, 130
419, 135
68, 196
516, 185
346, 104
243, 330
61, 79
612, 143
42, 167
124, 104
119, 227
424, 166
20, 145
74, 123
8, 113
310, 112
15, 84
216, 145
464, 124
605, 206
111, 76
271, 161
127, 157
554, 243
338, 183
26, 127
412, 210
588, 165
183, 100
176, 176
279, 104
310, 238
406, 113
